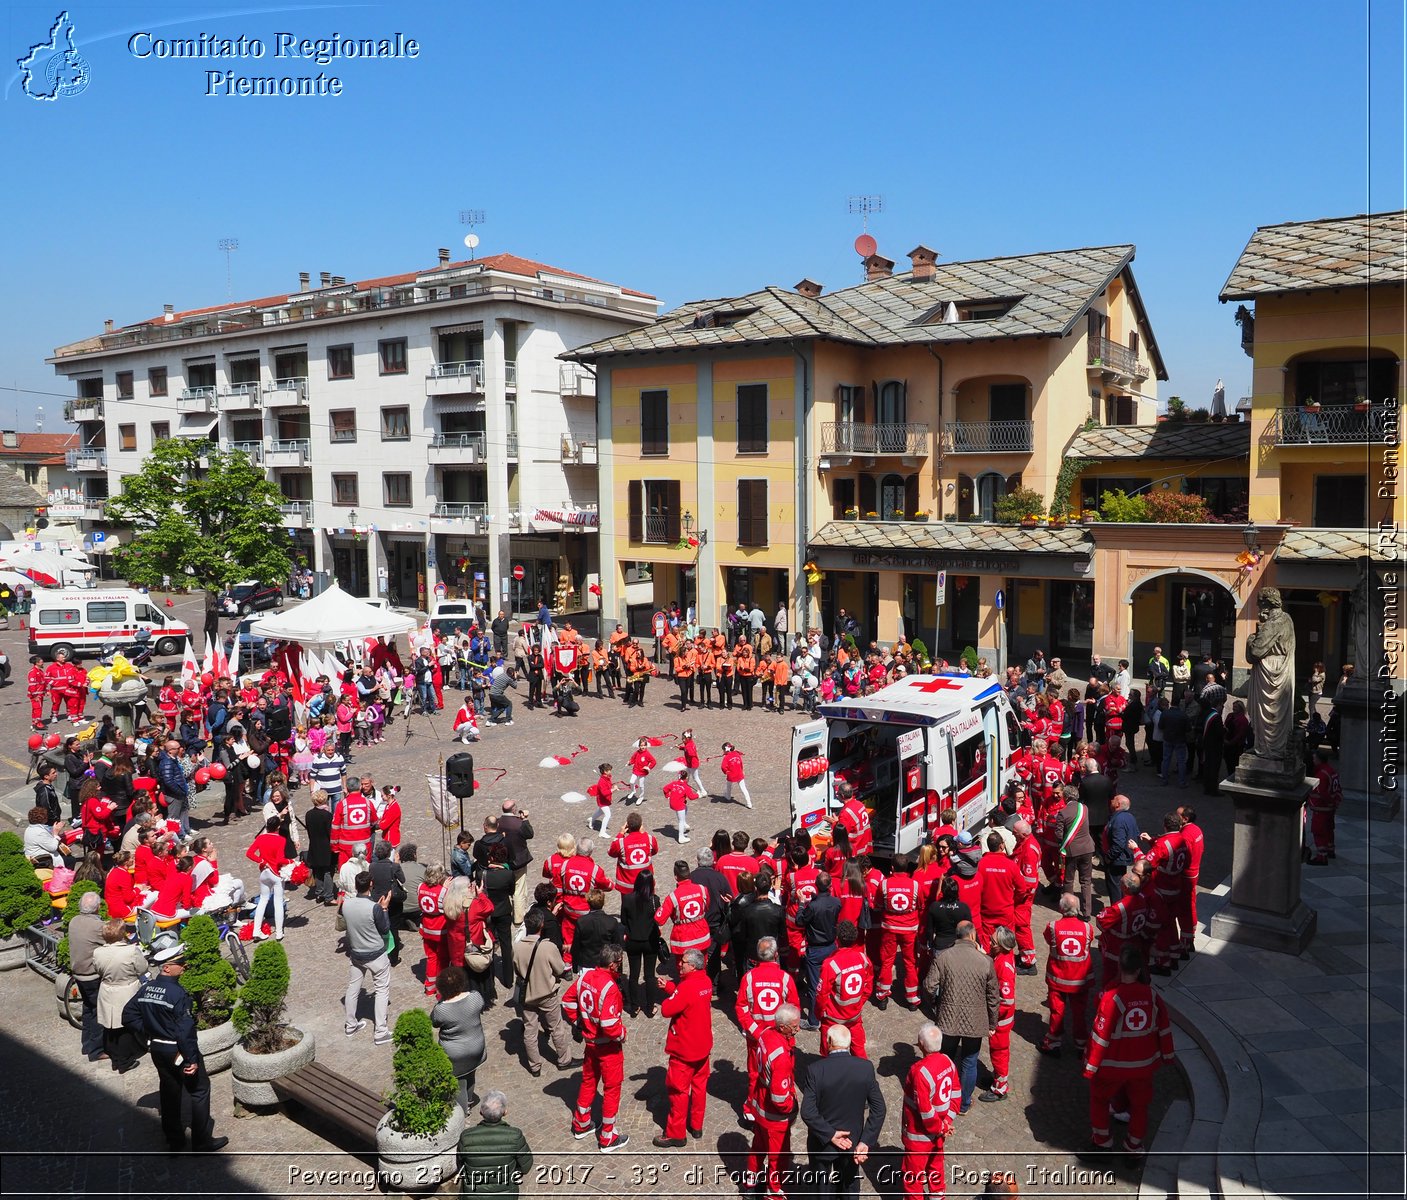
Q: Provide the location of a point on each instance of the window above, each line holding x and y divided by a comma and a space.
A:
850, 406
339, 362
843, 499
291, 364
200, 375
1341, 501
124, 385
397, 489
990, 488
752, 418
160, 431
344, 490
1119, 410
654, 422
31, 473
395, 424
1374, 379
91, 389
343, 423
243, 370
107, 612
126, 437
58, 616
752, 512
654, 510
156, 381
1093, 491
893, 402
1226, 495
1006, 402
392, 355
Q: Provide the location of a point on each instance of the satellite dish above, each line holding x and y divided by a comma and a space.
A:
471, 240
865, 245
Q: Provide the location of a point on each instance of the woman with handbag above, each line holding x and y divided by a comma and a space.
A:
467, 938
644, 948
120, 965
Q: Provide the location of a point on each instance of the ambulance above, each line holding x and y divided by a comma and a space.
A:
912, 749
84, 620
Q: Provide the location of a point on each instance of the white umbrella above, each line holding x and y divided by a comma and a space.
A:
49, 568
1219, 399
331, 617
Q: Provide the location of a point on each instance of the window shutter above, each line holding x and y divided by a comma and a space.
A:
671, 511
911, 495
752, 512
1133, 344
966, 497
868, 495
635, 502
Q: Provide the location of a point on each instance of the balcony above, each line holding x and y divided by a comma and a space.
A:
1115, 360
84, 408
88, 458
253, 450
287, 452
579, 454
286, 393
909, 439
458, 448
510, 376
238, 397
455, 517
511, 448
656, 527
576, 380
196, 400
455, 378
94, 507
988, 437
1332, 425
297, 514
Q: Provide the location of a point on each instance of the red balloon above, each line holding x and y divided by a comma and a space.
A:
36, 740
51, 740
202, 776
216, 770
207, 678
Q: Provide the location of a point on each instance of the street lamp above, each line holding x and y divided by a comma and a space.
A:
352, 517
1251, 536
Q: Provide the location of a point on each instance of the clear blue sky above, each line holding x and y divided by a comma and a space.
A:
688, 150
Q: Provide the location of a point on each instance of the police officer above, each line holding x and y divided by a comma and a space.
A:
161, 1011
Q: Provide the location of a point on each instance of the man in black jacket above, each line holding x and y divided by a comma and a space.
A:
517, 831
837, 1090
595, 930
764, 917
818, 919
720, 897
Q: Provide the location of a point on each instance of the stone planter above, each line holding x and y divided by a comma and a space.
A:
217, 1047
253, 1073
12, 953
415, 1165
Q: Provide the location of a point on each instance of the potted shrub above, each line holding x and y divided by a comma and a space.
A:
1021, 505
210, 979
418, 1138
920, 515
872, 515
1311, 405
22, 901
268, 1047
852, 514
1360, 404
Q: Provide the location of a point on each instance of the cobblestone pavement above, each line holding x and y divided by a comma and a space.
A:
87, 1108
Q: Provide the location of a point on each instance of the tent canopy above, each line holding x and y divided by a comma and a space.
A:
47, 568
332, 617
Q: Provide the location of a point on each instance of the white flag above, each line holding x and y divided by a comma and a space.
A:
443, 806
190, 673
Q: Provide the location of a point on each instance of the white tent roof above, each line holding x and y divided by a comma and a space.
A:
64, 568
332, 617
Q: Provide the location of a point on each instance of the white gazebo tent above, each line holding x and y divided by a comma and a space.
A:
329, 618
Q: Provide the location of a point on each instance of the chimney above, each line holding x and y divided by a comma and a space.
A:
168, 309
338, 280
877, 267
10, 439
324, 279
924, 263
107, 325
444, 256
303, 281
809, 288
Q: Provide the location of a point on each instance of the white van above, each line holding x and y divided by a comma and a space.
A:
912, 749
83, 621
449, 617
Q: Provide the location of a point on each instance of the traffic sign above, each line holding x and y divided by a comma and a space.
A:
99, 535
660, 621
942, 586
1001, 599
518, 572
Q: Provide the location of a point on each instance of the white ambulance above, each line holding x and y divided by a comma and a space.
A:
912, 749
84, 620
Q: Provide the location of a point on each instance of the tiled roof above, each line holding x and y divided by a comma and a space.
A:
951, 536
39, 445
1049, 293
15, 493
1330, 545
1168, 439
1332, 253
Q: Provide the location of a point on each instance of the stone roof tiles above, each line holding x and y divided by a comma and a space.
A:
1306, 256
1168, 439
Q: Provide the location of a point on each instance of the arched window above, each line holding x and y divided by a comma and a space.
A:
892, 498
991, 487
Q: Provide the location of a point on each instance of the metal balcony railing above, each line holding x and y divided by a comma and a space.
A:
469, 373
1332, 424
988, 437
576, 380
297, 508
293, 390
255, 450
195, 400
1110, 356
909, 438
86, 459
579, 454
510, 376
453, 511
471, 446
289, 448
656, 527
511, 449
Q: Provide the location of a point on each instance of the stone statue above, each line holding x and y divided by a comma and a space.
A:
1271, 698
1364, 649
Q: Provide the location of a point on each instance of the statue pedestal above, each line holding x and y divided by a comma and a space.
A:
1265, 908
1366, 747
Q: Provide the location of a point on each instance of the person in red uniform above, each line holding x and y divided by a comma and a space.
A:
36, 684
899, 919
677, 795
56, 680
98, 824
388, 815
932, 1093
738, 860
174, 897
642, 762
1195, 843
1131, 1039
594, 1007
1324, 802
687, 907
351, 827
1003, 951
603, 792
764, 989
1168, 858
430, 901
1027, 857
119, 892
1126, 923
854, 818
581, 875
1043, 774
687, 1047
799, 888
632, 848
733, 775
847, 979
773, 1100
556, 862
1068, 975
1001, 882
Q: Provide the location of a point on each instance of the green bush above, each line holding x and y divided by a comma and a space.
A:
1121, 508
259, 1014
969, 656
71, 911
11, 845
1018, 504
208, 977
920, 650
23, 901
424, 1087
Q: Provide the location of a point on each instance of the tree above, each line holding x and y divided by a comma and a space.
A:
199, 512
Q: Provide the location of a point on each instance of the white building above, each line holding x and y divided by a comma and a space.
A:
420, 426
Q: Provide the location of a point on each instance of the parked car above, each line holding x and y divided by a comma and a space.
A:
252, 647
248, 597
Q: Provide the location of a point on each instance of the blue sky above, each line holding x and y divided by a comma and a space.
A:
687, 150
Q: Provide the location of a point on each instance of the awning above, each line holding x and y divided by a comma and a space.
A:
197, 427
457, 403
465, 327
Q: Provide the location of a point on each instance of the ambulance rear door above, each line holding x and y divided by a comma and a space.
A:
973, 771
911, 749
810, 774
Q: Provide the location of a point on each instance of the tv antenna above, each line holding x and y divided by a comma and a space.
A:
229, 246
865, 205
471, 217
